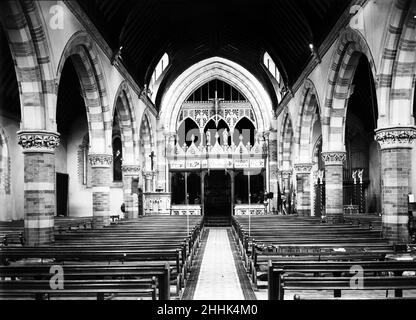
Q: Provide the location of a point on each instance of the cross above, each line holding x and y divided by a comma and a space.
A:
152, 155
216, 106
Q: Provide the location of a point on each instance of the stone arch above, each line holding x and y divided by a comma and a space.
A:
224, 70
303, 136
286, 142
123, 104
344, 62
403, 73
30, 51
146, 140
80, 49
5, 175
392, 36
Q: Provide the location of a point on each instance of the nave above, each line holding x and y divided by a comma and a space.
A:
177, 257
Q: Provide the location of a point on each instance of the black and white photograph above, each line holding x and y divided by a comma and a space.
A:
233, 153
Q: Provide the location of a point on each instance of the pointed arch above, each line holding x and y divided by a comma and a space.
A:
351, 45
30, 51
286, 142
403, 73
5, 175
224, 70
82, 52
392, 37
309, 106
146, 141
123, 106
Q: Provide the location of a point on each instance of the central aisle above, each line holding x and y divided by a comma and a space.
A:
218, 278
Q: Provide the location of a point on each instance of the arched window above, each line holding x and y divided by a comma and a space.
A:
160, 67
274, 71
271, 66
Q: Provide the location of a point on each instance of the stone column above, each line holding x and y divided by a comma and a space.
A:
203, 173
286, 176
39, 185
396, 144
303, 186
232, 182
101, 180
334, 202
130, 172
148, 179
273, 169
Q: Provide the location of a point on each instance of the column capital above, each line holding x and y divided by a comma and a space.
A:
286, 173
149, 174
131, 169
38, 141
100, 160
334, 157
303, 167
395, 137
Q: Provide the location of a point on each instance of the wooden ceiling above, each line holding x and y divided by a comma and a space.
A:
190, 30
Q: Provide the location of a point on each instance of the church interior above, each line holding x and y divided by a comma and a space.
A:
207, 150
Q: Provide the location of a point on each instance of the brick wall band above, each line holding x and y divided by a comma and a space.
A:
101, 180
303, 189
334, 202
39, 197
396, 166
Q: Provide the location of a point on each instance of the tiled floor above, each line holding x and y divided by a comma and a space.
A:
218, 279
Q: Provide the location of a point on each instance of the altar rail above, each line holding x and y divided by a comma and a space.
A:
192, 210
253, 209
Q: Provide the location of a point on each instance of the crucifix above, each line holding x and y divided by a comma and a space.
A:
152, 155
216, 106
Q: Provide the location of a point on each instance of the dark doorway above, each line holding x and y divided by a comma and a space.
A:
217, 193
62, 180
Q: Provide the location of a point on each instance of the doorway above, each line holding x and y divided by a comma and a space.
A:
62, 180
217, 192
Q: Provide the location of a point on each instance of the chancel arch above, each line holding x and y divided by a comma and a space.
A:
217, 141
226, 71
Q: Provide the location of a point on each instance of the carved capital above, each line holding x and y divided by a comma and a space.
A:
100, 160
131, 169
397, 137
149, 174
304, 168
38, 141
286, 174
334, 158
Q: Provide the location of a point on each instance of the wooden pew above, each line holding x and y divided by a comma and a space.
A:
146, 239
279, 278
144, 270
79, 288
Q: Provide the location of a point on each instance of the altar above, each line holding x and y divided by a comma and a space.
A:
157, 203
